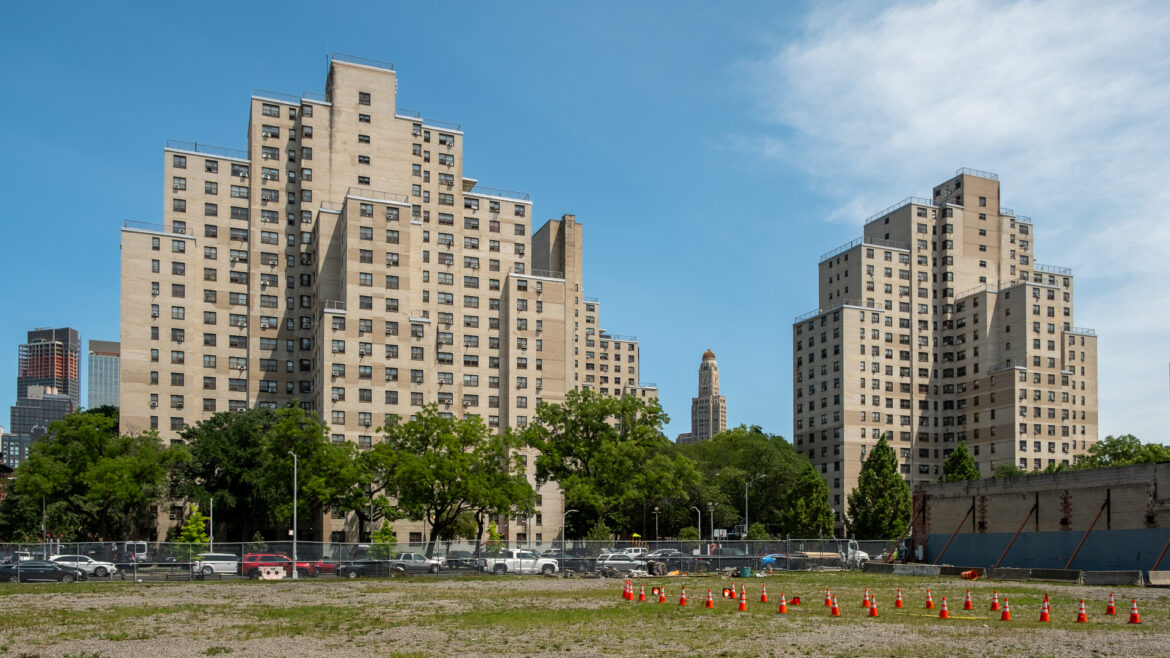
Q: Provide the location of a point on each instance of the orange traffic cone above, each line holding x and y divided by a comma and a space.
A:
642, 594
1006, 615
743, 600
710, 600
662, 595
1134, 617
834, 611
683, 599
625, 589
828, 598
865, 599
995, 601
1044, 611
930, 601
1046, 597
873, 606
943, 614
1110, 609
783, 605
968, 605
764, 594
1082, 618
898, 602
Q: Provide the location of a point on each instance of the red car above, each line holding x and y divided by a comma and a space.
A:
326, 566
252, 563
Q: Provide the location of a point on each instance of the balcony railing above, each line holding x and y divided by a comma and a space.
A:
334, 305
548, 274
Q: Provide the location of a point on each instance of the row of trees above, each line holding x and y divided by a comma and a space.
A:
615, 468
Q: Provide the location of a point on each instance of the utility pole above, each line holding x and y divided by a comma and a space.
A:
294, 551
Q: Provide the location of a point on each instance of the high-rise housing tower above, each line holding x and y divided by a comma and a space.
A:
344, 262
936, 327
52, 358
709, 409
103, 374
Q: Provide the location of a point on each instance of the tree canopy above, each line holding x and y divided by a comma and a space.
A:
880, 507
441, 469
95, 482
806, 512
243, 459
960, 466
1122, 451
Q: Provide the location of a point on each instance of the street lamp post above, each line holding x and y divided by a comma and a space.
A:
711, 522
745, 503
656, 523
294, 551
564, 535
700, 513
211, 524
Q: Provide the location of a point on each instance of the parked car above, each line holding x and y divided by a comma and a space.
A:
636, 552
209, 563
365, 568
415, 563
675, 560
254, 562
460, 560
327, 566
38, 571
571, 561
619, 561
87, 564
774, 560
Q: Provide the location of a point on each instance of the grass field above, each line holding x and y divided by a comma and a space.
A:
571, 617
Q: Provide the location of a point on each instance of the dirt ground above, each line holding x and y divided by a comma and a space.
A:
573, 617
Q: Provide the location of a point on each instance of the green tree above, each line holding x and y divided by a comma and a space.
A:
1121, 451
808, 513
880, 507
95, 482
757, 532
193, 538
440, 469
689, 533
1008, 471
599, 533
242, 460
609, 458
960, 465
383, 542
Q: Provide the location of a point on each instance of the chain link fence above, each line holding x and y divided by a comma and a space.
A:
141, 560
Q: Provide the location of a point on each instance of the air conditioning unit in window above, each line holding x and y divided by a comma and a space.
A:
153, 405
154, 314
362, 353
467, 403
177, 187
178, 405
235, 260
336, 397
243, 174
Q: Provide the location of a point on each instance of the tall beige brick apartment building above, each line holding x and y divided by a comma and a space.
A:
344, 262
938, 326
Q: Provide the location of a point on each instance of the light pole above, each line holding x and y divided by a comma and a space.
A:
294, 555
655, 523
564, 535
700, 513
711, 522
745, 503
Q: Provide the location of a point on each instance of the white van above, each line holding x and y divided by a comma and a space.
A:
209, 563
136, 549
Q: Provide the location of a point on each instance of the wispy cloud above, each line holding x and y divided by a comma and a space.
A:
1069, 101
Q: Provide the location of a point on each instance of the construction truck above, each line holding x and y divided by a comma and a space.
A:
850, 558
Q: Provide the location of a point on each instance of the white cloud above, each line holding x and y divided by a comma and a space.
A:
1069, 101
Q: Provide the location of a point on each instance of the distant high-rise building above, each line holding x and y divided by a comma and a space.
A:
31, 416
709, 409
104, 371
936, 327
51, 358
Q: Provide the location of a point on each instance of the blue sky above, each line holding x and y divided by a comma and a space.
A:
711, 151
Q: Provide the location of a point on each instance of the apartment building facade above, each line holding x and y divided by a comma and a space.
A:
936, 327
103, 374
709, 408
344, 261
50, 359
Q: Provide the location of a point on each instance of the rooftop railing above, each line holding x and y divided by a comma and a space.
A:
857, 303
877, 242
364, 61
434, 123
608, 336
497, 192
592, 299
976, 172
1082, 331
196, 147
144, 226
367, 193
915, 200
1053, 269
548, 274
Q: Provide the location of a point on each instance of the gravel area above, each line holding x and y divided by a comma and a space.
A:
570, 617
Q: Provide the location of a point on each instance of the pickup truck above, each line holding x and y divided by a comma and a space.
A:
519, 561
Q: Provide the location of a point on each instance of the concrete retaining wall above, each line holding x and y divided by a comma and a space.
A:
1159, 578
878, 567
1114, 578
916, 570
1104, 550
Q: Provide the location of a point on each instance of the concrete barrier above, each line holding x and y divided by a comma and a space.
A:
1060, 575
1004, 573
877, 567
1159, 578
1114, 578
271, 573
916, 570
